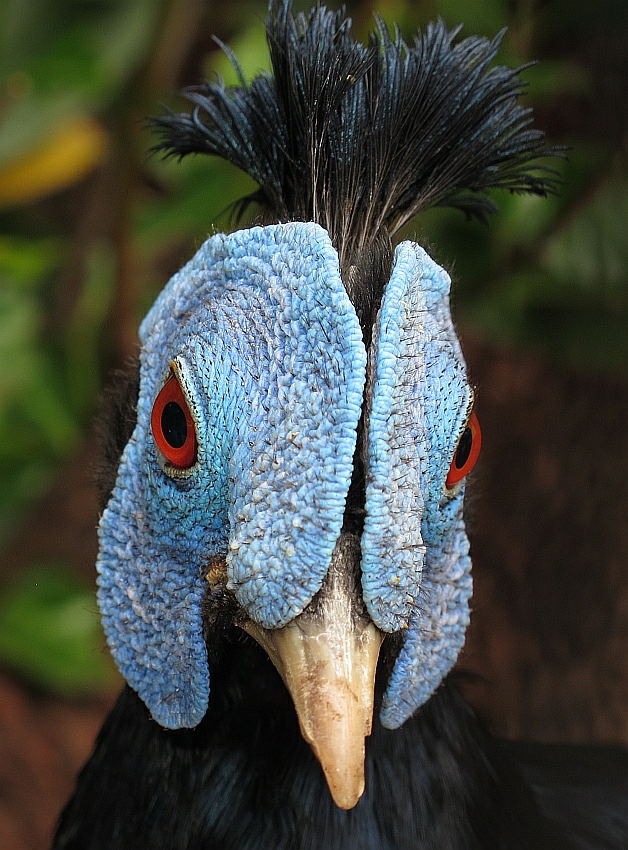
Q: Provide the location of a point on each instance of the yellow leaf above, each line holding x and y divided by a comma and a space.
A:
64, 158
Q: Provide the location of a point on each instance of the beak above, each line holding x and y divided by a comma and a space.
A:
327, 657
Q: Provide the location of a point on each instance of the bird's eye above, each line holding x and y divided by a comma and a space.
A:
173, 426
466, 453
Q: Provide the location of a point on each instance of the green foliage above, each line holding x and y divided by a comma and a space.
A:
35, 424
60, 59
80, 355
50, 632
47, 391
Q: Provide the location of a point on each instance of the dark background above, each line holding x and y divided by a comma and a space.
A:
91, 227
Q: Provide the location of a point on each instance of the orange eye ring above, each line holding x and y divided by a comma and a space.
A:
467, 452
173, 427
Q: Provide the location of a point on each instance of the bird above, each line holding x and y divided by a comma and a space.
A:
284, 573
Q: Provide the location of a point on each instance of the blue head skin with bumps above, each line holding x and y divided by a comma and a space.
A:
268, 351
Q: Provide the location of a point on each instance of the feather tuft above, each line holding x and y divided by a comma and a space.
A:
362, 138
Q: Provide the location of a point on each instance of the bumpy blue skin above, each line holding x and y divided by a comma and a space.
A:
416, 572
268, 351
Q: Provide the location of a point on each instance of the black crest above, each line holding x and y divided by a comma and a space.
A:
362, 138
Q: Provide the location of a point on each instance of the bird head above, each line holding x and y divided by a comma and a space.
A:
304, 421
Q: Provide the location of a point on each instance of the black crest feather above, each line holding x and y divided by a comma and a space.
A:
362, 138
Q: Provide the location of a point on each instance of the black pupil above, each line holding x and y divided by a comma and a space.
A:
173, 425
464, 448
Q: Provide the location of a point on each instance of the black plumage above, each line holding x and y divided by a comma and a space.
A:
245, 780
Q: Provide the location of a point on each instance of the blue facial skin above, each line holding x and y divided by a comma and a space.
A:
416, 573
268, 351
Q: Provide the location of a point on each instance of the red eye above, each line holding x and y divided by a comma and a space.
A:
173, 426
467, 452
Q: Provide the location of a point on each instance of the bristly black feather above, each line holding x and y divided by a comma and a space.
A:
362, 138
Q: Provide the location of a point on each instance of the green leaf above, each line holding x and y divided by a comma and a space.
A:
37, 426
589, 254
95, 50
29, 379
85, 329
50, 632
24, 262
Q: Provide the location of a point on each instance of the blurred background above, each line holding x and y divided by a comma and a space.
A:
91, 228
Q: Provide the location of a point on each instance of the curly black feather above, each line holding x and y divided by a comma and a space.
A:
360, 139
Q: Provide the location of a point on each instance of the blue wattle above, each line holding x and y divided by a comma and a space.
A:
269, 354
415, 566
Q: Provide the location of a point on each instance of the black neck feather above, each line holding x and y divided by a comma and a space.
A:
245, 779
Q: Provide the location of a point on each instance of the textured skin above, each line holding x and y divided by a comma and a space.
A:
269, 354
268, 351
415, 564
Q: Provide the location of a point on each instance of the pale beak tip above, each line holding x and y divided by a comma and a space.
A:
327, 657
346, 794
340, 749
